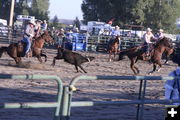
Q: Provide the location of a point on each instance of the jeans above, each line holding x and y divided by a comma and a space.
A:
28, 43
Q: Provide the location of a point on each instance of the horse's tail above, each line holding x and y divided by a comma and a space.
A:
2, 50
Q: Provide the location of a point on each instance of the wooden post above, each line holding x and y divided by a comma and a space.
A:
11, 13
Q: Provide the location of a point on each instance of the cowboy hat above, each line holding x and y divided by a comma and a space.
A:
148, 30
32, 22
116, 26
161, 30
62, 29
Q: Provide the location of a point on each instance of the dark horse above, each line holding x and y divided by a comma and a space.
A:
16, 50
138, 53
113, 47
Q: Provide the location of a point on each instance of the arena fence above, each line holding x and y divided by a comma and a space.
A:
141, 101
57, 105
99, 43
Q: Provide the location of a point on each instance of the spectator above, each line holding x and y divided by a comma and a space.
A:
61, 37
172, 89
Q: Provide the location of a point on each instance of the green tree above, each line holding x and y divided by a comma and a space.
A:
148, 13
39, 9
55, 22
77, 23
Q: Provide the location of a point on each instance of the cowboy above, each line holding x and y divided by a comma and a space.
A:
147, 40
44, 26
160, 34
28, 35
37, 28
116, 31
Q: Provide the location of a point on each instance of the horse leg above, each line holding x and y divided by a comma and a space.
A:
154, 69
76, 68
167, 59
39, 58
82, 68
160, 65
45, 56
17, 60
109, 57
54, 60
133, 67
114, 55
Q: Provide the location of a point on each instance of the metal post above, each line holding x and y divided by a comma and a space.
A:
142, 98
64, 104
139, 97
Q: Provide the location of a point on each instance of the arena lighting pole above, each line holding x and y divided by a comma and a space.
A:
11, 13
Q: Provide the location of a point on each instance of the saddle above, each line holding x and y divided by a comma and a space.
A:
22, 47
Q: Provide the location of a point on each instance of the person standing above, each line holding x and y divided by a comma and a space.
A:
28, 35
61, 40
172, 87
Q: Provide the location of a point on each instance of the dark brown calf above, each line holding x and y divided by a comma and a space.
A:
72, 58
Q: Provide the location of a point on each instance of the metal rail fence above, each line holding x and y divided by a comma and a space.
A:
141, 101
57, 105
11, 35
99, 43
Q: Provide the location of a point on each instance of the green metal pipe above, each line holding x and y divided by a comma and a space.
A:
99, 103
35, 77
29, 105
99, 77
65, 104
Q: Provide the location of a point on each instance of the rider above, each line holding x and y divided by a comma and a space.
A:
114, 34
28, 35
160, 33
147, 40
116, 31
37, 28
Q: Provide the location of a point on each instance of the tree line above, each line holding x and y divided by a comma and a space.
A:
148, 13
37, 8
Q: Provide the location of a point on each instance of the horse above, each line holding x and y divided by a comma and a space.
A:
113, 47
16, 50
163, 45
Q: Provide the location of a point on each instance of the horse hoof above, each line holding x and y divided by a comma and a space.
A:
159, 69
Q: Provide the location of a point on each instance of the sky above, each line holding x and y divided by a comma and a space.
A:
66, 9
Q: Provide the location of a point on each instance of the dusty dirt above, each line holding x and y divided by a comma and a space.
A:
97, 90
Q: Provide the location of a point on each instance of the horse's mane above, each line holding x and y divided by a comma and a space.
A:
165, 41
41, 36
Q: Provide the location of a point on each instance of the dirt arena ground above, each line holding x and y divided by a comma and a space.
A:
104, 90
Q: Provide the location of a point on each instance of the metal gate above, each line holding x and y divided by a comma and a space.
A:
68, 104
56, 105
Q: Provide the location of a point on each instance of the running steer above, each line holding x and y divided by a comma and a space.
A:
72, 58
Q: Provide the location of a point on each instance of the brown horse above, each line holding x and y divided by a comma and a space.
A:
16, 50
113, 47
162, 46
138, 53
